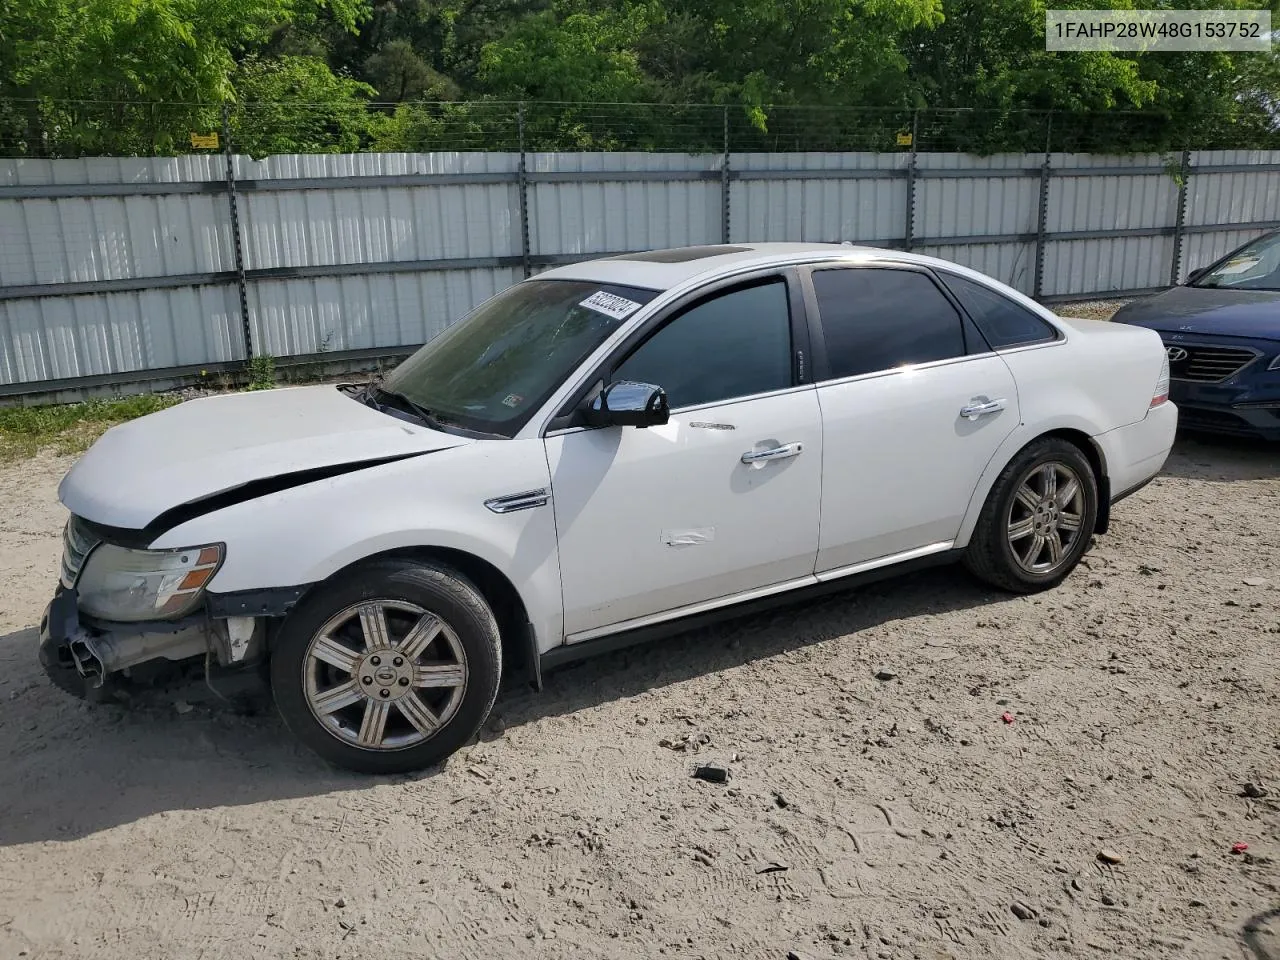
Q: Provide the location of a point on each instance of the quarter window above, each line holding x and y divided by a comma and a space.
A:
733, 345
877, 319
1003, 323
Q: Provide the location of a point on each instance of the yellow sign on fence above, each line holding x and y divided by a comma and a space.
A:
204, 141
904, 139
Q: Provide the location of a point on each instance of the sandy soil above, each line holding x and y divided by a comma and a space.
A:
892, 818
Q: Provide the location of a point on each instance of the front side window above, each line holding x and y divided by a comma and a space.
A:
1253, 267
491, 370
876, 319
1003, 323
732, 345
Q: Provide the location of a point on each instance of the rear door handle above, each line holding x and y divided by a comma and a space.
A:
980, 407
773, 453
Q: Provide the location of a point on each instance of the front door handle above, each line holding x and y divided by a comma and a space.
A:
773, 453
980, 407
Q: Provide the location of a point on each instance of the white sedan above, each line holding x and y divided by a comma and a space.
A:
604, 452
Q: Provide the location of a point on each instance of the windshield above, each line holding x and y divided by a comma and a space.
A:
1254, 267
494, 368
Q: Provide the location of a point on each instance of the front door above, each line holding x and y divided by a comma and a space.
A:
721, 501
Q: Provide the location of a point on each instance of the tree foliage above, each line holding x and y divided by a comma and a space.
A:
134, 76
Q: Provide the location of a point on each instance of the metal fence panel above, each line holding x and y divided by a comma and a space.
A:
113, 266
863, 210
316, 316
1011, 263
1237, 196
1074, 267
379, 224
56, 338
612, 216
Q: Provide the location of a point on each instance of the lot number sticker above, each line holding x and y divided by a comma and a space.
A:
617, 307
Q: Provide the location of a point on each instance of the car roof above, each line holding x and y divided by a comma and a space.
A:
667, 268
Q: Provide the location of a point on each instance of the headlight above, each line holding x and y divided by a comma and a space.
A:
130, 585
1274, 364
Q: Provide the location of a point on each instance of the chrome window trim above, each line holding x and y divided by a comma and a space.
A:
909, 368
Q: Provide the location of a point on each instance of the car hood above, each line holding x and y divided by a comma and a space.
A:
1252, 314
243, 442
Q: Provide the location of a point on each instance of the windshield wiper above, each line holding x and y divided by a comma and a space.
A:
411, 406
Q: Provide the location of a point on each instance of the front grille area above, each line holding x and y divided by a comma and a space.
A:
1208, 364
77, 541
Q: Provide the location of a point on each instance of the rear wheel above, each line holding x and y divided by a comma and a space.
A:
1038, 519
389, 671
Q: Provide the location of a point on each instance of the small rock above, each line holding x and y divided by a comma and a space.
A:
1107, 900
1077, 885
780, 801
885, 673
340, 902
1253, 791
772, 868
793, 955
712, 773
1110, 856
1022, 911
182, 706
1255, 581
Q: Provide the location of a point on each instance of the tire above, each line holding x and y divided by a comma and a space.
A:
1004, 550
410, 697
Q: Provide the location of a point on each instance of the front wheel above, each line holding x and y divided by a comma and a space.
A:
1038, 519
390, 670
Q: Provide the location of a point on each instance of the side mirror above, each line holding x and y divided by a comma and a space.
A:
1196, 274
626, 403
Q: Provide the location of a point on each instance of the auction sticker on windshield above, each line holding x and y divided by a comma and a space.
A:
610, 305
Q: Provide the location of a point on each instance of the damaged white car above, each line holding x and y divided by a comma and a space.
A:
607, 451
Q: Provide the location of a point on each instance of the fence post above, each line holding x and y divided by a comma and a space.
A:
1042, 215
237, 248
909, 234
1179, 223
724, 180
524, 194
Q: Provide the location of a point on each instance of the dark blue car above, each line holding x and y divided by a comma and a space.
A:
1222, 332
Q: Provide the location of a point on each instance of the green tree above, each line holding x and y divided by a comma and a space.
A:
96, 67
298, 105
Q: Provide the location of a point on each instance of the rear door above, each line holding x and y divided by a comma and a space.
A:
914, 405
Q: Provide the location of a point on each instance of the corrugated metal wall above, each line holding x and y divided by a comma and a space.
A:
334, 263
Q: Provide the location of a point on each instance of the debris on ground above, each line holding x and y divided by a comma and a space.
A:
712, 773
1110, 856
1022, 911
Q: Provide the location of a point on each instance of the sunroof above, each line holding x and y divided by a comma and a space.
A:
680, 254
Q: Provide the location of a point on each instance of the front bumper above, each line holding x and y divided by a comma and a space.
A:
80, 653
1237, 409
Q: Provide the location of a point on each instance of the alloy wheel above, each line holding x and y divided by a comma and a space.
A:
1046, 518
384, 674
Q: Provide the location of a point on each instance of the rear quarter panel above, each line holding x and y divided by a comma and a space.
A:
1099, 378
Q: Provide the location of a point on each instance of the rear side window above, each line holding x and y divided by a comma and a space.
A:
1003, 323
875, 319
731, 345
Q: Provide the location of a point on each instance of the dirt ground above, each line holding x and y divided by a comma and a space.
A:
897, 818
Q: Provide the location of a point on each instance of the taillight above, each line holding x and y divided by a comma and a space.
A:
1162, 384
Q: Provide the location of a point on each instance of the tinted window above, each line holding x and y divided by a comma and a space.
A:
1002, 322
734, 345
876, 319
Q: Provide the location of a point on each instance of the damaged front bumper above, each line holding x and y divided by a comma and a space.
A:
81, 655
